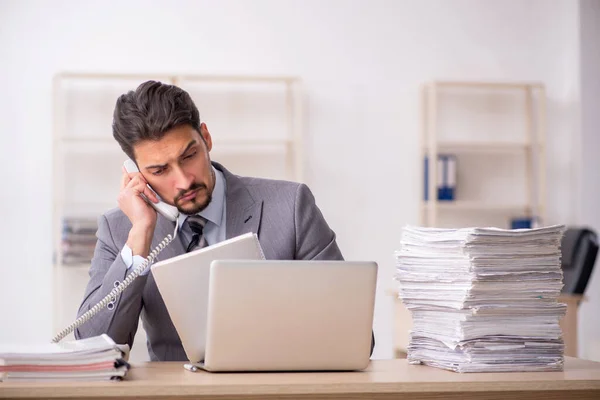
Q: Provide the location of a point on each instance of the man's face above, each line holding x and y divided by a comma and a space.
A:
178, 167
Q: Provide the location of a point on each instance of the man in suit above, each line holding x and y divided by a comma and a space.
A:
158, 126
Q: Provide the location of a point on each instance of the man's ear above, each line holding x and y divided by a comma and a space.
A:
206, 136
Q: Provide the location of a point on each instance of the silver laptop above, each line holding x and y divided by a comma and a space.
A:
289, 315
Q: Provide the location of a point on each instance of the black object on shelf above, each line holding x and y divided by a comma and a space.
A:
579, 247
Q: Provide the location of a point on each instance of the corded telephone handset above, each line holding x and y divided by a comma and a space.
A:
166, 210
169, 212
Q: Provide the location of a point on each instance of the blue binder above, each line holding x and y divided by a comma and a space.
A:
446, 177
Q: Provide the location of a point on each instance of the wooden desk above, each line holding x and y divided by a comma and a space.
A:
384, 379
568, 324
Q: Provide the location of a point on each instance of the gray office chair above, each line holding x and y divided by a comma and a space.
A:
579, 247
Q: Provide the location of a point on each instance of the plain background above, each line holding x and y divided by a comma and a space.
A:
361, 63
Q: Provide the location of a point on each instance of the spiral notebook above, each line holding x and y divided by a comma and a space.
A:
183, 284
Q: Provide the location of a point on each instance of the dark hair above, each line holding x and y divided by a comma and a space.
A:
149, 112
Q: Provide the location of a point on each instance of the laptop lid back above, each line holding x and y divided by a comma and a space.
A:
183, 285
290, 315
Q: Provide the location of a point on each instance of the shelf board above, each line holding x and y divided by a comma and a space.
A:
89, 146
220, 145
251, 146
74, 267
489, 84
260, 141
86, 139
480, 148
221, 140
478, 206
83, 209
179, 77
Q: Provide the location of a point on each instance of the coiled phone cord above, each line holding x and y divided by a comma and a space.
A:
117, 290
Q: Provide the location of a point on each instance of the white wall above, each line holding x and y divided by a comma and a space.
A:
589, 324
362, 63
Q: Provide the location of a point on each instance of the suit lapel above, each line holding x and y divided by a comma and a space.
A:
240, 221
243, 211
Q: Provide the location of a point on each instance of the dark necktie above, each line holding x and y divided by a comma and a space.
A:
196, 224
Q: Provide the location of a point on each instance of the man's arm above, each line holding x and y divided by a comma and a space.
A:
314, 238
119, 320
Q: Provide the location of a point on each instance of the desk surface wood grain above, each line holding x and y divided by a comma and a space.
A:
384, 379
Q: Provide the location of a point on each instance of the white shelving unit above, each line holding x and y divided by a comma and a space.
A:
496, 131
255, 123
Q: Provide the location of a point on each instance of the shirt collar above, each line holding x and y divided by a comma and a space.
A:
214, 211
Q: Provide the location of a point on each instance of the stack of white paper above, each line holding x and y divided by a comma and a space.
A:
483, 299
96, 358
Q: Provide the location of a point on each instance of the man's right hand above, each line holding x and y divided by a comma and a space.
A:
141, 214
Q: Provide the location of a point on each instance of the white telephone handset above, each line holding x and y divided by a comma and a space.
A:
169, 212
164, 209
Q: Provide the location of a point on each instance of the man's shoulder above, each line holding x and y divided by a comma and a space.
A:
274, 189
113, 226
115, 217
259, 186
258, 183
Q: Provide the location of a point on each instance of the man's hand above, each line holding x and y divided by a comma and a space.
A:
141, 214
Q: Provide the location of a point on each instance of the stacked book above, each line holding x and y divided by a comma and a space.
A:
483, 299
78, 240
93, 359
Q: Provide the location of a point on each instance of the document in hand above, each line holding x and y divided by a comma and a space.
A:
483, 299
92, 359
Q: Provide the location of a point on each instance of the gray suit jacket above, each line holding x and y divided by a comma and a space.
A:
283, 214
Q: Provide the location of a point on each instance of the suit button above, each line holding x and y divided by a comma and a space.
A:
111, 305
117, 283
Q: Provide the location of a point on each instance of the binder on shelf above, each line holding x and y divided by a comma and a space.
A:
524, 222
446, 177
